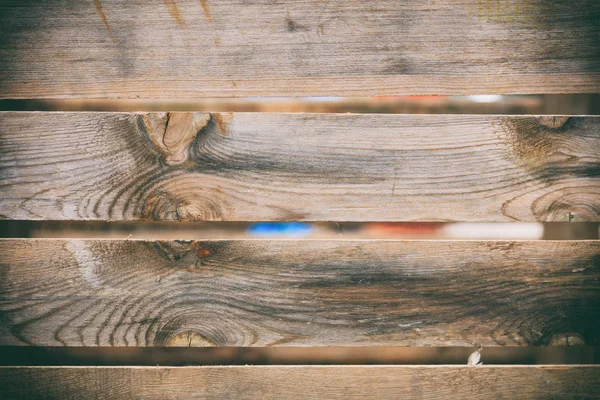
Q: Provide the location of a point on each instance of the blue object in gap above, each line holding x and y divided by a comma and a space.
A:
294, 229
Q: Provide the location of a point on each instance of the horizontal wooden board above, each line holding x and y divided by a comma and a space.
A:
302, 382
327, 167
219, 48
298, 293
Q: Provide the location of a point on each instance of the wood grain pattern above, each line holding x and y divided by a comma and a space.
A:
297, 293
258, 167
302, 382
223, 48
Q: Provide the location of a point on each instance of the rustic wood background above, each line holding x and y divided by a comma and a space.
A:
219, 166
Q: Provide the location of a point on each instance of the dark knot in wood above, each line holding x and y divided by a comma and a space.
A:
566, 339
553, 121
175, 250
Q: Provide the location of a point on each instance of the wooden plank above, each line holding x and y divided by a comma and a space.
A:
302, 382
218, 48
258, 167
298, 293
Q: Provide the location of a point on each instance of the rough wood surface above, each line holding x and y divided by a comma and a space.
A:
223, 48
298, 293
253, 167
302, 382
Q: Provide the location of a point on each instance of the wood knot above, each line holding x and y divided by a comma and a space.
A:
553, 121
173, 133
190, 339
175, 250
222, 121
568, 205
566, 339
203, 252
162, 205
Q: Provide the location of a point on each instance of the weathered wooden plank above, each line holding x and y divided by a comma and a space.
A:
302, 382
246, 166
298, 293
190, 48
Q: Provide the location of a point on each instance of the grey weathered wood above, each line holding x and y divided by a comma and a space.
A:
223, 48
297, 293
302, 382
253, 167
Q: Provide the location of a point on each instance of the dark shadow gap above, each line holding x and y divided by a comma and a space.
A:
174, 230
566, 104
181, 356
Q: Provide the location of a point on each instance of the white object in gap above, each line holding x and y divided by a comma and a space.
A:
475, 357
